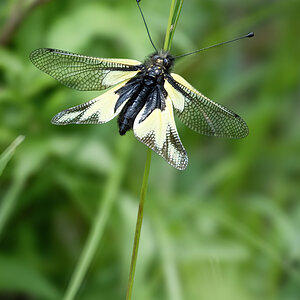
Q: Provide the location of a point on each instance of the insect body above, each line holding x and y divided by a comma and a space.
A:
144, 96
144, 89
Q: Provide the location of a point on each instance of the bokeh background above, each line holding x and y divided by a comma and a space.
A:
225, 228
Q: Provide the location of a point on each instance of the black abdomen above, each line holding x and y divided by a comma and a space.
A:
142, 90
131, 110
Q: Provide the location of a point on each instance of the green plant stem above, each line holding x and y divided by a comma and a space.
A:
167, 43
175, 10
138, 225
101, 219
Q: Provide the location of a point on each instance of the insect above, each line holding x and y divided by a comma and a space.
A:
144, 96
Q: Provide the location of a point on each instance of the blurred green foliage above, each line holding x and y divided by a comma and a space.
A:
225, 228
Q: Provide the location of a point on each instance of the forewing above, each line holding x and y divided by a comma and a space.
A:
202, 114
158, 131
83, 72
97, 111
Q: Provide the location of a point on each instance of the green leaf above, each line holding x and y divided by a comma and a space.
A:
8, 153
17, 276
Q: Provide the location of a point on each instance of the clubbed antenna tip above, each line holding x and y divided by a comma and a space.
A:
249, 35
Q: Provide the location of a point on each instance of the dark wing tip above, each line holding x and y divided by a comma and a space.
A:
243, 129
183, 163
42, 51
56, 119
245, 132
36, 54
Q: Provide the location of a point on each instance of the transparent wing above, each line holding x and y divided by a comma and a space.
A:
202, 114
97, 111
83, 72
158, 131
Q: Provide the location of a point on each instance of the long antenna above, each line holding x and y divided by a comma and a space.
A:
137, 1
249, 35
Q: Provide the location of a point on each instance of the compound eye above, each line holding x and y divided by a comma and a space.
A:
166, 62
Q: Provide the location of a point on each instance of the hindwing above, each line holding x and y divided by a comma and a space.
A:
97, 111
84, 73
202, 114
158, 131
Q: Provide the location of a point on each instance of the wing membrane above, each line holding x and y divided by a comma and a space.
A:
158, 131
83, 72
202, 114
97, 111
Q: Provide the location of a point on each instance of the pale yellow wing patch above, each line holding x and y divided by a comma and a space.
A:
97, 111
158, 131
176, 97
115, 77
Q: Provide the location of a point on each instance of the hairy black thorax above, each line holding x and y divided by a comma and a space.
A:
145, 89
